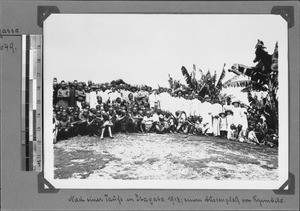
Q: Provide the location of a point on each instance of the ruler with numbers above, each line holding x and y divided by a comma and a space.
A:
32, 102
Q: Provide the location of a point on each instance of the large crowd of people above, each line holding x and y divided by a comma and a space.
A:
103, 110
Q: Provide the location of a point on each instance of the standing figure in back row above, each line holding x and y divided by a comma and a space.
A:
63, 95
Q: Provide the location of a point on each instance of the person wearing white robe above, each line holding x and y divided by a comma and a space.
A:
168, 102
244, 118
93, 99
113, 95
164, 98
216, 110
153, 99
206, 116
198, 107
171, 104
190, 105
160, 100
124, 94
180, 103
103, 94
227, 105
186, 105
194, 106
237, 114
88, 95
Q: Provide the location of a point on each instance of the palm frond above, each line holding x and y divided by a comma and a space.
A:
187, 77
222, 76
225, 84
254, 87
214, 78
239, 83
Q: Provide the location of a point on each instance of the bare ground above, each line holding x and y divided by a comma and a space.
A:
163, 156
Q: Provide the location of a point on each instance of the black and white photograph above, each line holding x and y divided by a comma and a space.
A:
165, 101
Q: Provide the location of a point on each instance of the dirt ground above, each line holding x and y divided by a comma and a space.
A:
163, 156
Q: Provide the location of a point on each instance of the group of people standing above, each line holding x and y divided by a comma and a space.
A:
105, 109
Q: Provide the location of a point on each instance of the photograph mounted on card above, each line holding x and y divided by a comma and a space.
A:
165, 101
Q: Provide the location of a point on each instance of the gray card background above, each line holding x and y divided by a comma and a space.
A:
20, 188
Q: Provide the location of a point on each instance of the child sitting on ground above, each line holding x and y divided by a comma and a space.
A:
63, 127
252, 136
106, 125
232, 133
147, 123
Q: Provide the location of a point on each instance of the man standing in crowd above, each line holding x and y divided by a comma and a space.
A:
216, 110
113, 95
150, 111
206, 112
80, 94
72, 87
63, 95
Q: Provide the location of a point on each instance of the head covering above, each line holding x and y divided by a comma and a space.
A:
222, 113
133, 89
229, 111
236, 101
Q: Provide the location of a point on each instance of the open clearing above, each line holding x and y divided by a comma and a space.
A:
163, 156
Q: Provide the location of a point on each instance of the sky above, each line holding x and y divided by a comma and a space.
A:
145, 48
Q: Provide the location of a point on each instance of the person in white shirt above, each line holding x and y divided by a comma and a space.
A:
252, 136
223, 125
113, 95
216, 110
133, 90
199, 106
147, 122
244, 118
142, 94
88, 95
153, 99
180, 101
93, 99
103, 93
237, 115
164, 98
124, 92
206, 116
228, 105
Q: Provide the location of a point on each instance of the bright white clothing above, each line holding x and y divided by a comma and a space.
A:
114, 95
124, 94
103, 95
93, 99
242, 136
206, 116
227, 107
88, 97
155, 118
252, 137
237, 116
216, 109
244, 119
153, 99
163, 99
223, 124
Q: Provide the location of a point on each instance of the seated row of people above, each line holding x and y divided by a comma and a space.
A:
108, 120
